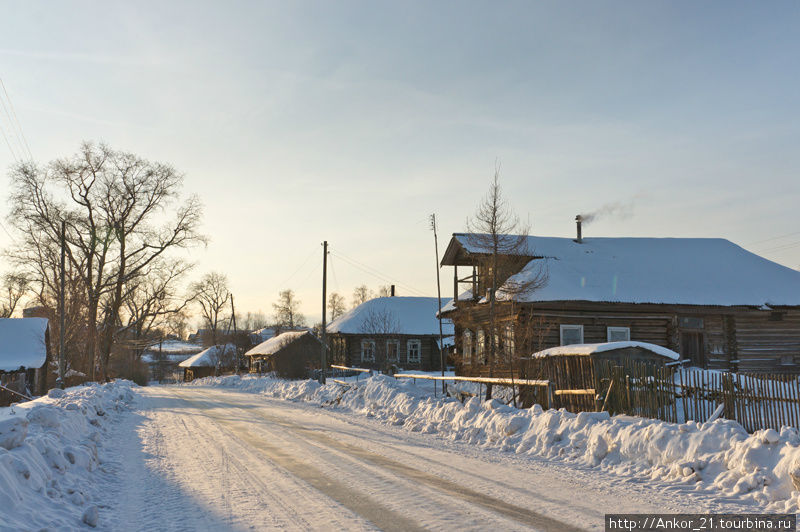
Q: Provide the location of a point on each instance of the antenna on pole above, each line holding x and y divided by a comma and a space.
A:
323, 362
61, 360
439, 293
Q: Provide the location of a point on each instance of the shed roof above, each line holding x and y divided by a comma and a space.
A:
208, 358
276, 343
400, 315
590, 349
683, 271
22, 343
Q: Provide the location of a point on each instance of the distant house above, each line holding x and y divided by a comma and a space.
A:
214, 360
163, 358
711, 301
24, 355
389, 331
290, 354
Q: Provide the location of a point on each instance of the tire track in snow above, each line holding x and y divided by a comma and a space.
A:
520, 514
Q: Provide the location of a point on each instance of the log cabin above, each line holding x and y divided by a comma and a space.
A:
210, 362
716, 304
389, 331
24, 356
291, 355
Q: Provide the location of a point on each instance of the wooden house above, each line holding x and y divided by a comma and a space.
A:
24, 356
163, 359
388, 332
290, 355
212, 361
715, 303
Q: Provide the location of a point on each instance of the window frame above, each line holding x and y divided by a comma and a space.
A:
618, 329
568, 326
480, 346
418, 343
466, 346
396, 350
365, 342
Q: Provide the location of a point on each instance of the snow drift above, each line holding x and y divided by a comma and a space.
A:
719, 457
48, 451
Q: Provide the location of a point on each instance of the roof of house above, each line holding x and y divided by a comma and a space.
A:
22, 343
590, 349
392, 315
276, 343
207, 358
686, 271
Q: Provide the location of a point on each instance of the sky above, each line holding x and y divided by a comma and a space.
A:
352, 122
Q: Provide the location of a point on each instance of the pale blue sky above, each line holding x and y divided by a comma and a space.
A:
353, 121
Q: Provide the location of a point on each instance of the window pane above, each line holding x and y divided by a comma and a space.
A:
619, 334
571, 334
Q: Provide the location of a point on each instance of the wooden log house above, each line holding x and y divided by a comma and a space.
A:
24, 356
717, 304
290, 355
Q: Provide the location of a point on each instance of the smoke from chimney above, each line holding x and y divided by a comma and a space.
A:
618, 209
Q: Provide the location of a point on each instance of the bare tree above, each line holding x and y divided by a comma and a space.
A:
362, 294
384, 291
384, 326
287, 310
336, 305
211, 294
14, 286
503, 241
122, 213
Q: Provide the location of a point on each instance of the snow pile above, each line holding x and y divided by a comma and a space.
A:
590, 349
48, 451
718, 457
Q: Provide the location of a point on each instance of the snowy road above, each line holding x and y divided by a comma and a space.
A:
198, 458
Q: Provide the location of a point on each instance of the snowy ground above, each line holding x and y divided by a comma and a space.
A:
262, 454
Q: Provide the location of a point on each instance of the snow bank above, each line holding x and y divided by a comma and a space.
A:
48, 451
590, 349
718, 457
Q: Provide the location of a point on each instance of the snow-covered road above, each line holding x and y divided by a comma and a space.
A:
201, 458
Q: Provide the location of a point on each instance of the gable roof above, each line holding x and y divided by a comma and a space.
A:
208, 358
22, 343
402, 315
684, 271
276, 343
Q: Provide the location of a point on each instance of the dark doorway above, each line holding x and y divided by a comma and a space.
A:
692, 348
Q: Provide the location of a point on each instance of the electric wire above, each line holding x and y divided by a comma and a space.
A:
16, 120
375, 273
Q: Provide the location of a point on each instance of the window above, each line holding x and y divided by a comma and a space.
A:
619, 334
367, 350
467, 347
571, 334
414, 350
509, 341
480, 347
392, 348
787, 360
690, 323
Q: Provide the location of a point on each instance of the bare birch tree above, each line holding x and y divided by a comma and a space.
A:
211, 294
287, 310
336, 305
14, 286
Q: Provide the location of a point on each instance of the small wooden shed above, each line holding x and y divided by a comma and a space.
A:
290, 355
212, 361
24, 354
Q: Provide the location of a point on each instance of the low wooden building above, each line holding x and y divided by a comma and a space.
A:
716, 304
162, 359
24, 357
291, 355
210, 362
388, 332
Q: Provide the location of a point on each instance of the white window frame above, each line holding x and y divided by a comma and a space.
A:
418, 344
480, 346
609, 330
466, 346
509, 341
365, 344
568, 327
396, 350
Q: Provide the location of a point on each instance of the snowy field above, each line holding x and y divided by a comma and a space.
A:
231, 453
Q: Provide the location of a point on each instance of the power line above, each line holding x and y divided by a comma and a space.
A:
773, 238
16, 120
313, 251
6, 116
375, 273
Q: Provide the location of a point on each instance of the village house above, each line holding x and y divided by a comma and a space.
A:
209, 362
290, 355
716, 304
24, 356
388, 332
162, 359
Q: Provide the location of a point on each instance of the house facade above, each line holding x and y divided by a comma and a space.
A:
716, 304
24, 357
386, 332
290, 355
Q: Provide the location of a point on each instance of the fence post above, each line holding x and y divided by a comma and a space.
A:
551, 395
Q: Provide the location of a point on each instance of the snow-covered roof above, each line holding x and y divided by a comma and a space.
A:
589, 349
208, 358
22, 343
276, 343
686, 271
175, 347
400, 315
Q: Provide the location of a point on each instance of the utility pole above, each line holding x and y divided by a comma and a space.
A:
323, 361
61, 360
439, 292
235, 347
